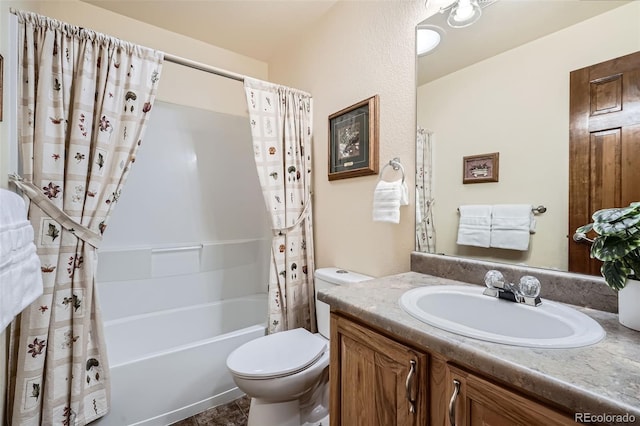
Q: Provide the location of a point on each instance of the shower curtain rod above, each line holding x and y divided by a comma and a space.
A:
203, 67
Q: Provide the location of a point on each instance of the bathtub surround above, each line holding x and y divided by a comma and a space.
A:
182, 277
281, 126
79, 129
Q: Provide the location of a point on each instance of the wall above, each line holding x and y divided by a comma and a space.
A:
177, 85
474, 111
358, 50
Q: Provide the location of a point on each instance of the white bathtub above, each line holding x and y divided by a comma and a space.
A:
164, 368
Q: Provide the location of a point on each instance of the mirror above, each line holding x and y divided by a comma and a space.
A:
502, 85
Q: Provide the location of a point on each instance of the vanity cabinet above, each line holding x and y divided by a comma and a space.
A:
376, 380
476, 401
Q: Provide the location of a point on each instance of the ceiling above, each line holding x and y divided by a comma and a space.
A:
504, 24
254, 28
259, 28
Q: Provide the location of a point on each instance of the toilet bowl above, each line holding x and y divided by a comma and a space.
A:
286, 374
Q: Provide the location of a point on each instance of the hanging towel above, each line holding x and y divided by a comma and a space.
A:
387, 199
20, 273
511, 225
474, 228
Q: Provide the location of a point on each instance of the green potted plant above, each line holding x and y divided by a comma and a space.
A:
617, 245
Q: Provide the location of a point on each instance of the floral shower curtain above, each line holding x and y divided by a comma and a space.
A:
84, 104
281, 123
425, 231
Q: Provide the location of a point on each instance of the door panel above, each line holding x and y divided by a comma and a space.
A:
604, 146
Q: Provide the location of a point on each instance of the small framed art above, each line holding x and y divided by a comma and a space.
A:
353, 140
480, 168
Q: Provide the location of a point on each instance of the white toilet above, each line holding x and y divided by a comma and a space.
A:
286, 374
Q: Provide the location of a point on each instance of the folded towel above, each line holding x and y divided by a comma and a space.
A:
387, 199
20, 274
474, 228
511, 225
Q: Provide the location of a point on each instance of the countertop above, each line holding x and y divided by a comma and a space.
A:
599, 379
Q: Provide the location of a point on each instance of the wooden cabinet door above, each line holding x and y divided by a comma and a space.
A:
375, 381
478, 402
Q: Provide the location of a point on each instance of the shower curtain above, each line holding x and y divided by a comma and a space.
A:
425, 231
85, 100
281, 123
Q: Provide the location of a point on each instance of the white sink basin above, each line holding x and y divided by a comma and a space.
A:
465, 310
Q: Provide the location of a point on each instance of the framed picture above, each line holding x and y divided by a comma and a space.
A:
353, 140
480, 168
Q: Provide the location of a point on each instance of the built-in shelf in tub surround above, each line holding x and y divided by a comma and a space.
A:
575, 289
601, 378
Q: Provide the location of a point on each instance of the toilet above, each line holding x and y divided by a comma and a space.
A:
286, 374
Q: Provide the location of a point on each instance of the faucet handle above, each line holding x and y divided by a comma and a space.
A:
529, 286
494, 279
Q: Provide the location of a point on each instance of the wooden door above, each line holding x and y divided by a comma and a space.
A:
479, 402
373, 379
604, 146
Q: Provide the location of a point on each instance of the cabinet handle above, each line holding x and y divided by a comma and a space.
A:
409, 385
452, 402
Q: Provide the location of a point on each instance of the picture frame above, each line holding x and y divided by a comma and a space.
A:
481, 168
353, 140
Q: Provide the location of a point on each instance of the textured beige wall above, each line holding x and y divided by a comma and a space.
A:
517, 103
358, 50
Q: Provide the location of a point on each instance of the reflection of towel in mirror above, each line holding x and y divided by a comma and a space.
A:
387, 199
20, 274
511, 225
474, 228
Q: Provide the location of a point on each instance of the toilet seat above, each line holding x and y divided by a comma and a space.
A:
277, 355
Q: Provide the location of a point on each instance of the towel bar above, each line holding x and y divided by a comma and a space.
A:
536, 210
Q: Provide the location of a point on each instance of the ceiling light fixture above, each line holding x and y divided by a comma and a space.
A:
428, 37
464, 13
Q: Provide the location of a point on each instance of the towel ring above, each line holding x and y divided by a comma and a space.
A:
395, 165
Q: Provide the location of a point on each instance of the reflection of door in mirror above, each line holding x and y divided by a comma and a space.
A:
604, 146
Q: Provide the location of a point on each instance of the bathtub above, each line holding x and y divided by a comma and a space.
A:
164, 369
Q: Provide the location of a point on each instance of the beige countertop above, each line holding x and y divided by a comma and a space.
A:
599, 379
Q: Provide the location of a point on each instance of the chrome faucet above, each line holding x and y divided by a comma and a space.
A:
527, 291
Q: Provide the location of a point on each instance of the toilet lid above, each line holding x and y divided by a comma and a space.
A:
277, 354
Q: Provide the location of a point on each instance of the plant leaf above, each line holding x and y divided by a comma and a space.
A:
610, 215
615, 274
620, 227
613, 248
584, 228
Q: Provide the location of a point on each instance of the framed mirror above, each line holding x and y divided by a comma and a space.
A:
501, 86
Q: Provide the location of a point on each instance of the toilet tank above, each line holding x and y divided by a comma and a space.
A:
325, 278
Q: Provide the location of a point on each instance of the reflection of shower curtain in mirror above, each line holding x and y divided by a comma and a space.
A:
425, 231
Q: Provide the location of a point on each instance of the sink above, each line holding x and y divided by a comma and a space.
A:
465, 310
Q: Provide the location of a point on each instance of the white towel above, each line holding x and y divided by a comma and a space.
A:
20, 274
511, 225
474, 228
387, 199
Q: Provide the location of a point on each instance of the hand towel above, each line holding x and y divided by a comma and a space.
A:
20, 273
474, 228
511, 225
387, 199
